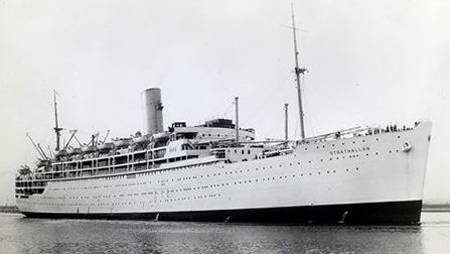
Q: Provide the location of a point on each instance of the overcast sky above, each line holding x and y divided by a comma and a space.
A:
369, 62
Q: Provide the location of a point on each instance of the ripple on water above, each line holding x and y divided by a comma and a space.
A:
20, 235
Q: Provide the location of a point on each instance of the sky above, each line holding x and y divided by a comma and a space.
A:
369, 63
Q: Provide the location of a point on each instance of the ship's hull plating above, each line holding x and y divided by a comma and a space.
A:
370, 179
407, 212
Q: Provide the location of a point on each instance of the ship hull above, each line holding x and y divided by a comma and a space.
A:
404, 213
361, 180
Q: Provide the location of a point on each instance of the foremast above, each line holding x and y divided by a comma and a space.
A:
57, 128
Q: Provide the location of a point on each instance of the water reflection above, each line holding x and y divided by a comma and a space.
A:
19, 235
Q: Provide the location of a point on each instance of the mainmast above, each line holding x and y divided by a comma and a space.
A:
298, 71
57, 128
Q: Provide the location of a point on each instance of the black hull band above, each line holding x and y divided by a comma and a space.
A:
404, 212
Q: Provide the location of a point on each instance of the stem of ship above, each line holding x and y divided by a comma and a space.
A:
298, 72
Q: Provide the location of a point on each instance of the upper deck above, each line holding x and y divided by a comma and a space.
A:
176, 148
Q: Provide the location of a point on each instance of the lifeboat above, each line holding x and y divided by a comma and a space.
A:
141, 139
88, 149
60, 153
72, 151
161, 135
121, 142
43, 163
105, 147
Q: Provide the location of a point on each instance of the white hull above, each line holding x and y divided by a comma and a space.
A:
358, 170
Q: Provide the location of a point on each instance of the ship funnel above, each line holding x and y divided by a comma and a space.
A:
153, 110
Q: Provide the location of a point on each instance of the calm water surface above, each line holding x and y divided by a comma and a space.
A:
21, 235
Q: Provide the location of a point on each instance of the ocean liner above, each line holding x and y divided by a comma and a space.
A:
217, 171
